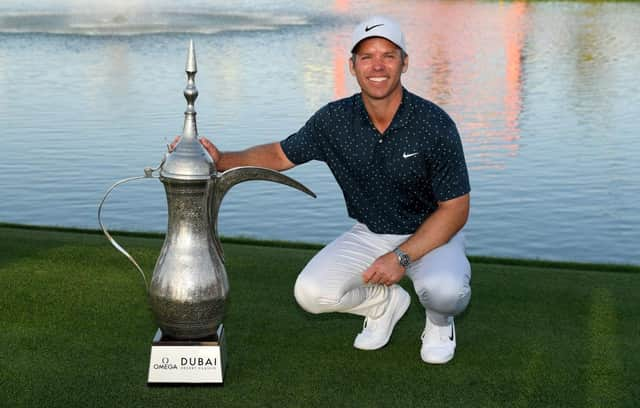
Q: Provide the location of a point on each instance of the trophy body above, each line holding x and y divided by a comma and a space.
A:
189, 287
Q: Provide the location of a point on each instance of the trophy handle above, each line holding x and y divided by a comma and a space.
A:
233, 176
148, 173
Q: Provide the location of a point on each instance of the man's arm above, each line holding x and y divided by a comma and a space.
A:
435, 231
268, 155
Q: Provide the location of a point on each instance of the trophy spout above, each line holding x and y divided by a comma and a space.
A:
231, 177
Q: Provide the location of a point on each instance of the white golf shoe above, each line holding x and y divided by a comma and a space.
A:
376, 332
438, 342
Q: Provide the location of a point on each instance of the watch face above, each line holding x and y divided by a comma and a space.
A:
403, 259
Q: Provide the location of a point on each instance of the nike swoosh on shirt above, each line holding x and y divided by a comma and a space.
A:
406, 156
452, 334
367, 29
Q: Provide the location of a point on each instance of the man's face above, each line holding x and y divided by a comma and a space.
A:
377, 67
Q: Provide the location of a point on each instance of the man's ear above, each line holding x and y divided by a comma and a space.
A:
405, 65
352, 69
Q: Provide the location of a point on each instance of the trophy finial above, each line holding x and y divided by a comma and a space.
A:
191, 92
191, 65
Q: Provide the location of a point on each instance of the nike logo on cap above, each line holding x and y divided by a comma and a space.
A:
367, 28
407, 155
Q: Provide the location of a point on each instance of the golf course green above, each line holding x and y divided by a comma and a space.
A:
76, 328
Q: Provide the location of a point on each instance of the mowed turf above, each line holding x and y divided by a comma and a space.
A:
76, 327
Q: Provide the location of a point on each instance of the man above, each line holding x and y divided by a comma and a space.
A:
399, 162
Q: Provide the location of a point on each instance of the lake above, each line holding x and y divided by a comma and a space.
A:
545, 95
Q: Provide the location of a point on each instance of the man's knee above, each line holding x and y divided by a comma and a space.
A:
311, 295
444, 293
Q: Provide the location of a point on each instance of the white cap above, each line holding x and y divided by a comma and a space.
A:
378, 27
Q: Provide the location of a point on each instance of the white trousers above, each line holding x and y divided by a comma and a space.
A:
332, 280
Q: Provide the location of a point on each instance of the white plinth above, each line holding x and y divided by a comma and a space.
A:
187, 361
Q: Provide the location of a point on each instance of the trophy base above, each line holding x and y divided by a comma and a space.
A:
200, 361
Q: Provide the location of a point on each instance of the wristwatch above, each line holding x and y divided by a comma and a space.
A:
403, 258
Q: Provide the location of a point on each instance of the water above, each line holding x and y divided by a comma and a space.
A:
545, 96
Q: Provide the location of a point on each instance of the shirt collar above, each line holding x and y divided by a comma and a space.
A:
400, 119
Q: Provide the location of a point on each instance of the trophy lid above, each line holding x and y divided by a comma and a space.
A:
189, 160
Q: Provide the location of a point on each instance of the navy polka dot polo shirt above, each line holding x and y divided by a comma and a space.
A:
391, 181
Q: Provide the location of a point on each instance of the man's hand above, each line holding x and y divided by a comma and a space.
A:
386, 270
208, 146
211, 149
171, 147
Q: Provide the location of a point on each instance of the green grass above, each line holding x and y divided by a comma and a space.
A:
75, 330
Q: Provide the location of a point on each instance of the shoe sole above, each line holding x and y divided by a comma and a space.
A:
437, 362
441, 361
397, 315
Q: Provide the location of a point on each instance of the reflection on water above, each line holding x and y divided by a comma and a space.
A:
544, 95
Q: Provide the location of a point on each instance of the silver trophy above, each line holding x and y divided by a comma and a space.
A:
189, 285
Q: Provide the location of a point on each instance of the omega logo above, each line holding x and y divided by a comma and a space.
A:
165, 365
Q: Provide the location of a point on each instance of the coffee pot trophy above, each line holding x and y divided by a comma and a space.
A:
189, 285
